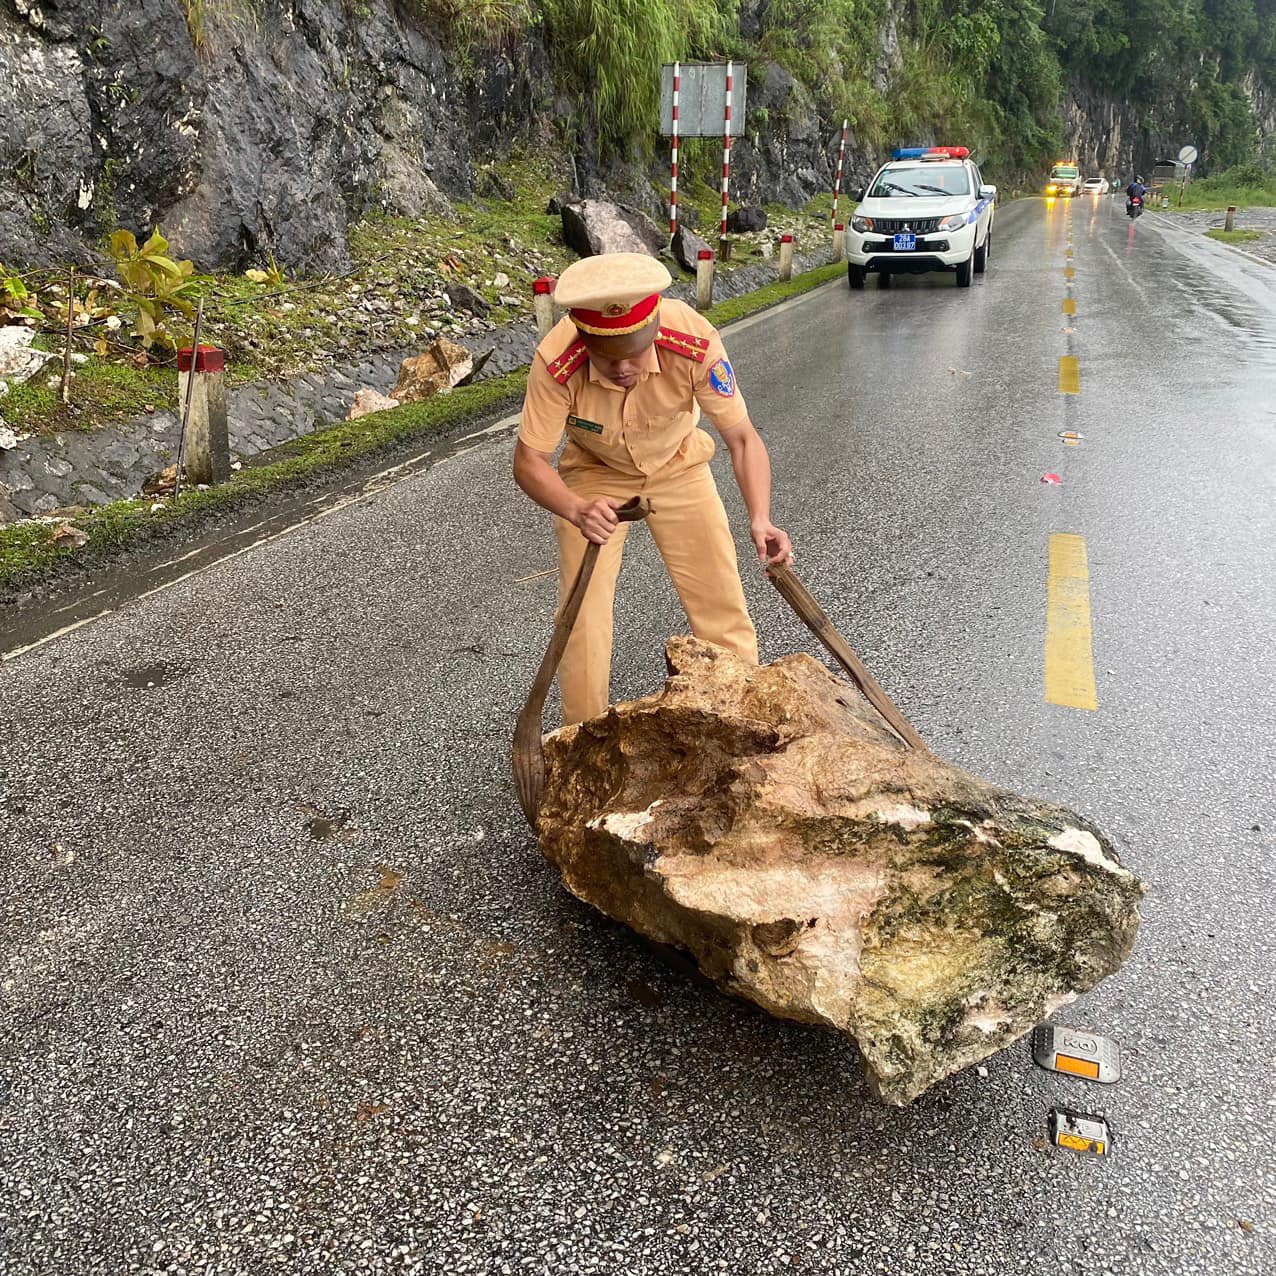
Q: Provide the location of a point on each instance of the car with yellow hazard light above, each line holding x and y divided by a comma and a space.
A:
926, 209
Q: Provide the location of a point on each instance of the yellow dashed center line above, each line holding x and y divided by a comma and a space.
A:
1069, 374
1069, 305
1069, 272
1069, 638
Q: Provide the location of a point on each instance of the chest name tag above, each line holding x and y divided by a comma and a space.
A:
580, 423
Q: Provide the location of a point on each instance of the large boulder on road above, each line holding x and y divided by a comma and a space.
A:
766, 822
597, 226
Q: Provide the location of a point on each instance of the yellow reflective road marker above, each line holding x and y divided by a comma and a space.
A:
1068, 253
1069, 640
1069, 374
1086, 1132
1069, 272
1069, 305
1076, 1052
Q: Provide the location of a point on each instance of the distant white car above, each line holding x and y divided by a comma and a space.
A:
1095, 186
928, 209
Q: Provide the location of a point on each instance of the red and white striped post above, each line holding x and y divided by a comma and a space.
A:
543, 304
724, 247
837, 184
673, 160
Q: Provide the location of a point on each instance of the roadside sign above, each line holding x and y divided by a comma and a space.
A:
702, 91
1073, 1050
1188, 155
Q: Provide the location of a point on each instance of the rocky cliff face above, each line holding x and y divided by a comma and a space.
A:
1112, 137
1104, 135
279, 128
286, 121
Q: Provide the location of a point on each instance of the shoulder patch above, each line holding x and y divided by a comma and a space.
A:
569, 362
683, 343
722, 378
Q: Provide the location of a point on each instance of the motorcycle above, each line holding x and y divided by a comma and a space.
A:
1134, 206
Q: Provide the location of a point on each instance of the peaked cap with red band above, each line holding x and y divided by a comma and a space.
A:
613, 294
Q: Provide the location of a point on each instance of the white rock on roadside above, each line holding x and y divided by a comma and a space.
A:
18, 358
368, 401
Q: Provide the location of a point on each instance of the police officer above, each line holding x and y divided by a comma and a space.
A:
628, 374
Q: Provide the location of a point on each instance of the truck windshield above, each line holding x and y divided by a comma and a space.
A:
1066, 171
925, 181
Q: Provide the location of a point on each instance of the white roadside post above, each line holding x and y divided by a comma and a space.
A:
543, 304
1229, 222
704, 279
839, 241
786, 258
207, 443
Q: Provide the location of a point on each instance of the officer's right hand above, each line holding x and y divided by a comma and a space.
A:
597, 520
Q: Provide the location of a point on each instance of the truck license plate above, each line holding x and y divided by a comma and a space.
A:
905, 243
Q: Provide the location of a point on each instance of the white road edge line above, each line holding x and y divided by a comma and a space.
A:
371, 486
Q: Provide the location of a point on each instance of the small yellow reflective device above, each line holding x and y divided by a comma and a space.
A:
1077, 1053
1080, 1132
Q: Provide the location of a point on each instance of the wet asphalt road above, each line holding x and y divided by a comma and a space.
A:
286, 988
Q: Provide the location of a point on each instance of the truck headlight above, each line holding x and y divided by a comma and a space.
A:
954, 222
861, 224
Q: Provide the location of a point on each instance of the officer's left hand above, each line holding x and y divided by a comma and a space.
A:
772, 543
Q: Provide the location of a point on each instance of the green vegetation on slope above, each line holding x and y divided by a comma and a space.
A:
986, 72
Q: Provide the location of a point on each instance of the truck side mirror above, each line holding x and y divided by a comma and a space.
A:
858, 194
987, 192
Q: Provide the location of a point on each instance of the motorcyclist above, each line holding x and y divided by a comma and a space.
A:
1136, 189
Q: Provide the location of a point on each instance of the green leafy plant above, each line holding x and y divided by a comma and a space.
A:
156, 284
17, 301
272, 275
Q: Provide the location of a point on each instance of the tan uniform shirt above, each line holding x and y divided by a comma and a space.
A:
641, 431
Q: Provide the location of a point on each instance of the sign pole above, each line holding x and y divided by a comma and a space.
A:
837, 185
724, 248
673, 162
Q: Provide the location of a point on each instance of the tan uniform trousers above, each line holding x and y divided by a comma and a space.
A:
694, 538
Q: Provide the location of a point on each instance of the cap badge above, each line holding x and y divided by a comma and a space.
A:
615, 309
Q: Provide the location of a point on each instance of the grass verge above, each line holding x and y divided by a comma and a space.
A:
29, 556
1246, 186
1234, 236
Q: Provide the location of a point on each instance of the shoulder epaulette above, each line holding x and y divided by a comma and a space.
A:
569, 362
683, 343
